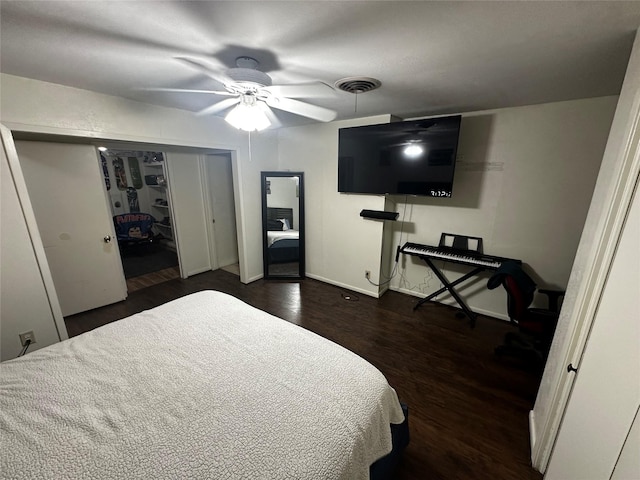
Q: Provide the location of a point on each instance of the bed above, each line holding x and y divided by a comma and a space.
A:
203, 387
283, 244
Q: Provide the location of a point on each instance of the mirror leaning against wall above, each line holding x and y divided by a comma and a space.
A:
283, 224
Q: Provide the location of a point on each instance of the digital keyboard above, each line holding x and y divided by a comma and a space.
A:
473, 258
465, 257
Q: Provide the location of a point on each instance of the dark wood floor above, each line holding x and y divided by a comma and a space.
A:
153, 278
468, 410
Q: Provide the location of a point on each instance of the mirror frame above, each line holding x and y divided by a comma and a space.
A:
301, 236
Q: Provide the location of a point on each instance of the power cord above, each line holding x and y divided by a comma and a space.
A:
393, 274
394, 271
24, 349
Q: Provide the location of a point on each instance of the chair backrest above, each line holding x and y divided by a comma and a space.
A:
518, 298
519, 286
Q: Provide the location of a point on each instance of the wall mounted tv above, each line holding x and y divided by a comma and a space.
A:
401, 158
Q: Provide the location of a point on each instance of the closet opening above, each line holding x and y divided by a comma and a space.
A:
138, 192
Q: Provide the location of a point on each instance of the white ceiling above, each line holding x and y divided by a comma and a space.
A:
431, 57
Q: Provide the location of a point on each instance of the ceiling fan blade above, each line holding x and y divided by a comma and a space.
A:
202, 67
220, 106
302, 90
275, 123
185, 90
301, 108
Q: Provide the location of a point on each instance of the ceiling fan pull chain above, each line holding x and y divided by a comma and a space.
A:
357, 85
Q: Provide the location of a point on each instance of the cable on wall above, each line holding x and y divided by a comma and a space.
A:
394, 271
24, 349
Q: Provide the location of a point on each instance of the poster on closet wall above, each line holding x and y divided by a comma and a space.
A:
134, 171
132, 200
105, 172
120, 173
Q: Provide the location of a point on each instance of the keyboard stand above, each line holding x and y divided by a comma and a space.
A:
448, 286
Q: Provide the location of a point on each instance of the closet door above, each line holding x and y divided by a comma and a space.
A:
222, 214
27, 295
606, 393
187, 195
69, 200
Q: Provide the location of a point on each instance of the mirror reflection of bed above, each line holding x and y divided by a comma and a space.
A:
283, 224
283, 242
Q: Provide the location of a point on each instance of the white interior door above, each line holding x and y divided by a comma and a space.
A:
185, 187
28, 301
222, 209
70, 203
606, 393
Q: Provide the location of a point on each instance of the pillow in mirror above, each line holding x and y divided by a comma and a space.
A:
285, 223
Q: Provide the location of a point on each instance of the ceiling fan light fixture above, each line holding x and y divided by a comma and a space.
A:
248, 115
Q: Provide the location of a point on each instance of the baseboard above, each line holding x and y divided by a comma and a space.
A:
451, 302
407, 292
197, 271
253, 279
532, 432
342, 285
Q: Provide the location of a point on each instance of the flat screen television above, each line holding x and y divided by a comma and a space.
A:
415, 157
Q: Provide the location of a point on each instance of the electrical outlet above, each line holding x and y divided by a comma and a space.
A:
367, 274
27, 336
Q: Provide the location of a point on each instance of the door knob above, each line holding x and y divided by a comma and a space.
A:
107, 239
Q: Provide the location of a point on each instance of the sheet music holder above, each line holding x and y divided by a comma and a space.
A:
461, 242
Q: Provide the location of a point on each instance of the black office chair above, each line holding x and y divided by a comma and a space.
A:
536, 326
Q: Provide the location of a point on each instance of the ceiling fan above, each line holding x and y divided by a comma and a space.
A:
252, 95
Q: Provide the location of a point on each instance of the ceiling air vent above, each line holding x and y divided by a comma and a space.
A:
357, 84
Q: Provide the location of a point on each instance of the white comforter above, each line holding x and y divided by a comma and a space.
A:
202, 387
275, 235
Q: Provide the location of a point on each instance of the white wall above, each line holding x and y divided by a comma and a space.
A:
340, 245
523, 182
524, 178
264, 150
32, 106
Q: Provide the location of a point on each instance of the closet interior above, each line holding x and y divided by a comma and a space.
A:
138, 190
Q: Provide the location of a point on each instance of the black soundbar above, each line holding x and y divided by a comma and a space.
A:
379, 214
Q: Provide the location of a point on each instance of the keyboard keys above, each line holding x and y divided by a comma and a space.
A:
446, 253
